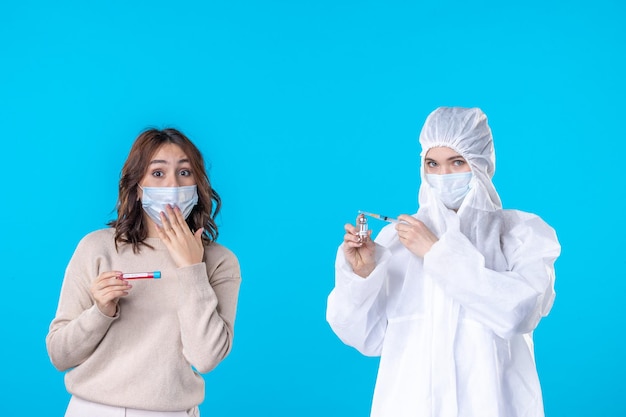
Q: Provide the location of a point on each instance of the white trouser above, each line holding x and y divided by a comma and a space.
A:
83, 408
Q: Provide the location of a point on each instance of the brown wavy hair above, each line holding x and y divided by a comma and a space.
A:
130, 225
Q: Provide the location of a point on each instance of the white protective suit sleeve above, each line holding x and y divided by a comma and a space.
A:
356, 306
510, 302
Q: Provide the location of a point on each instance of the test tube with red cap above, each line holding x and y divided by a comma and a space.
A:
142, 275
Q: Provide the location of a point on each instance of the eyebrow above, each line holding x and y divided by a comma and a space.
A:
428, 158
163, 161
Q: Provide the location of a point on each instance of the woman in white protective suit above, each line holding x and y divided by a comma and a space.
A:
449, 297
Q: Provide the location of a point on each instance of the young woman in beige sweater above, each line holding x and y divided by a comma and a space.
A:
138, 346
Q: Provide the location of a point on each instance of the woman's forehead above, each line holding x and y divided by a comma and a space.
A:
169, 151
442, 152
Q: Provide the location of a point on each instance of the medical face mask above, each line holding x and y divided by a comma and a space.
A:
451, 188
156, 199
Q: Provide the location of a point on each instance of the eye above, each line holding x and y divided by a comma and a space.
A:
431, 164
185, 173
157, 173
458, 162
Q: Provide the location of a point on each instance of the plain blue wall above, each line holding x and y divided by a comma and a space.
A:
309, 111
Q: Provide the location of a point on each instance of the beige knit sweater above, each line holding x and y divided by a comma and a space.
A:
165, 333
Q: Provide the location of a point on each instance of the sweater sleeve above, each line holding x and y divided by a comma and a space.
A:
508, 302
78, 326
207, 303
356, 306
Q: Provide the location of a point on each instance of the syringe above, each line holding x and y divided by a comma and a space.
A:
379, 217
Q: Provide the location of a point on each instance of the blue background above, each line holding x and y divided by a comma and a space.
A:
307, 112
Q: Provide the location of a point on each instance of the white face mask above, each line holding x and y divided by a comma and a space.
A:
451, 188
156, 199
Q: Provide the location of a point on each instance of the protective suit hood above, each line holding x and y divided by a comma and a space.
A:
466, 131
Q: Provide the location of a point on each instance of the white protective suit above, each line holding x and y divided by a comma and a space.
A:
454, 329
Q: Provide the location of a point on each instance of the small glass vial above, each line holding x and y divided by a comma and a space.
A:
362, 228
